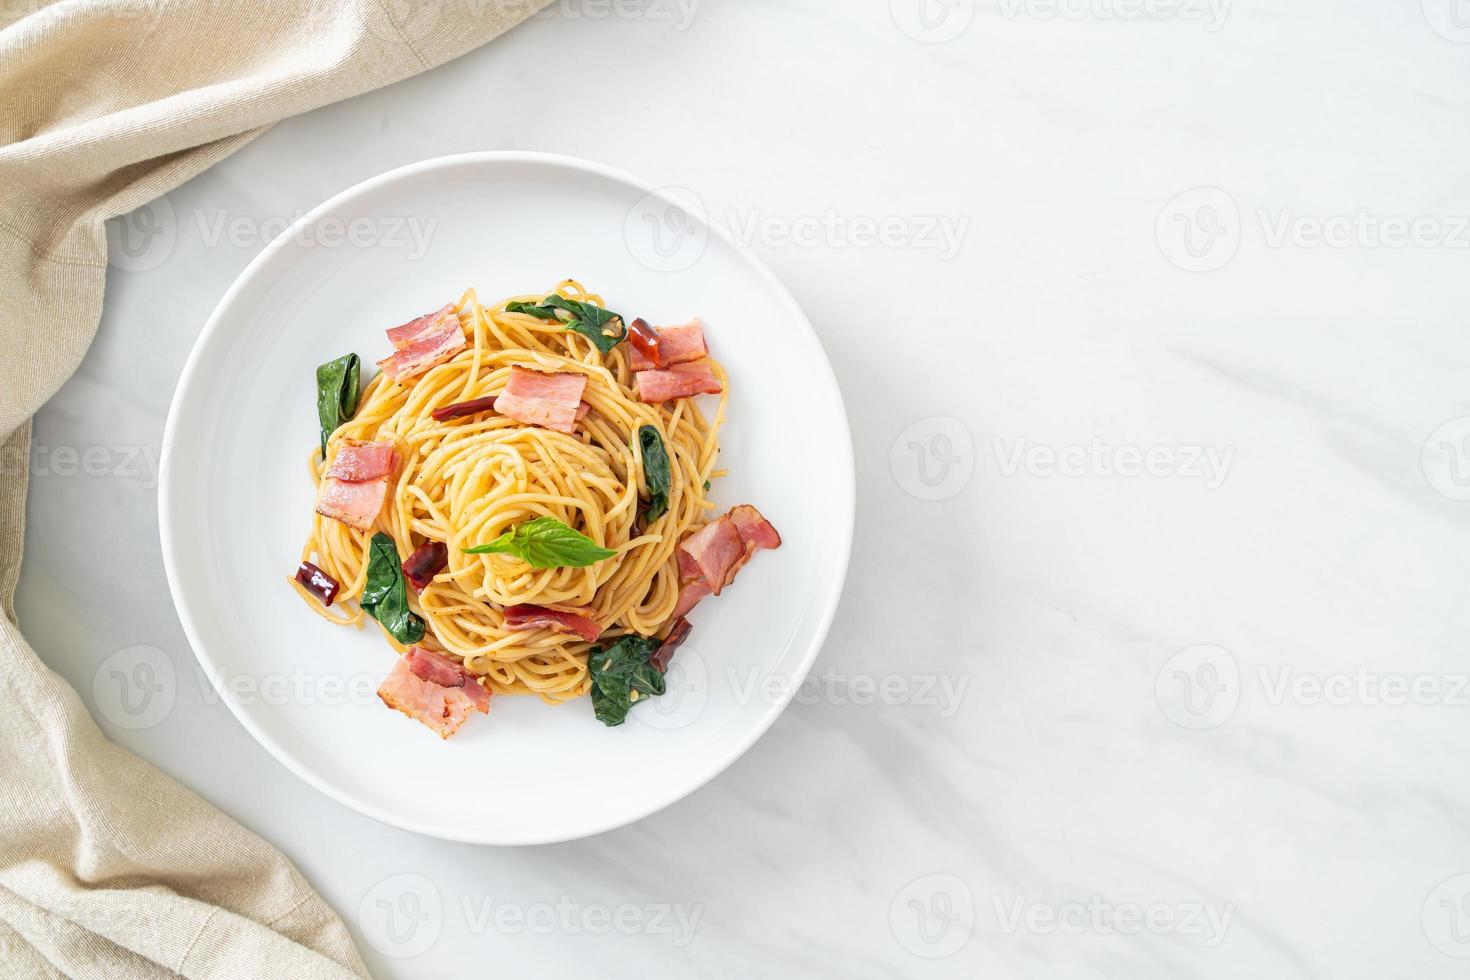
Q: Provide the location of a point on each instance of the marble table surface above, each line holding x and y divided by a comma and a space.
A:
1149, 317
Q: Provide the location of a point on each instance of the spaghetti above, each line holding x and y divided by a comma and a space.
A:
466, 481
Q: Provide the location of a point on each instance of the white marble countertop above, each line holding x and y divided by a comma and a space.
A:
1150, 318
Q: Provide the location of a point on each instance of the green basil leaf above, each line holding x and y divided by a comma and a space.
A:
545, 543
542, 312
622, 675
385, 597
655, 471
603, 327
337, 387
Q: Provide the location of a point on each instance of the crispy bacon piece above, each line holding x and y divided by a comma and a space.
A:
675, 345
711, 552
672, 642
431, 344
677, 381
442, 708
415, 329
710, 557
360, 462
528, 617
427, 560
460, 409
318, 582
549, 400
436, 667
354, 504
689, 596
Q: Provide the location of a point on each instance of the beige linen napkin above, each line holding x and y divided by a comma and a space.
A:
108, 868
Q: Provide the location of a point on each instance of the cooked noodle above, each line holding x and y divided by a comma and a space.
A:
465, 481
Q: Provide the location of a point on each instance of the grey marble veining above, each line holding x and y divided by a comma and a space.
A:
1150, 322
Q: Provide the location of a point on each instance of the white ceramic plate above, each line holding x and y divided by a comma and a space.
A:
235, 499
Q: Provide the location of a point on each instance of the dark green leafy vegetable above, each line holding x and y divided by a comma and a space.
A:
533, 309
604, 328
545, 543
385, 598
337, 385
655, 471
622, 675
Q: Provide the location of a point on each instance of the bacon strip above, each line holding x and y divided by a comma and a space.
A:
549, 400
359, 462
443, 708
433, 344
710, 558
677, 381
689, 596
436, 667
674, 345
528, 617
415, 329
354, 504
711, 552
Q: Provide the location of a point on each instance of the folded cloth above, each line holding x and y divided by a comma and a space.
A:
108, 868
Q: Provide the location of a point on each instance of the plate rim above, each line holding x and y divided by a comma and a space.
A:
846, 498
